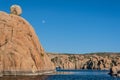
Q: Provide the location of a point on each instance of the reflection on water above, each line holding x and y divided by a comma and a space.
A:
67, 75
62, 73
42, 77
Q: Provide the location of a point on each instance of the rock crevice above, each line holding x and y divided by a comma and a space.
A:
20, 50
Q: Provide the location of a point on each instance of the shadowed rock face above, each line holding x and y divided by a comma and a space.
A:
85, 61
20, 49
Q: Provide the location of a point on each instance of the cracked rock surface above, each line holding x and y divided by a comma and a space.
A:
20, 49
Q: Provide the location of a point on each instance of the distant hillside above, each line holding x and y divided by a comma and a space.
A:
97, 53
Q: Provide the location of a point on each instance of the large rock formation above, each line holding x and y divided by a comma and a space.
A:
99, 61
20, 50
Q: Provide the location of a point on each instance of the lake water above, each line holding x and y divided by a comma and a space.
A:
67, 75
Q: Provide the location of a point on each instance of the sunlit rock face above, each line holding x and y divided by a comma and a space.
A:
115, 70
16, 10
85, 61
20, 49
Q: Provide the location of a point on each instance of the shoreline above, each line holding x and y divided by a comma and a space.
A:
25, 73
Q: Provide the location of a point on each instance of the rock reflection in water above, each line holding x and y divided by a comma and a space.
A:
62, 73
42, 77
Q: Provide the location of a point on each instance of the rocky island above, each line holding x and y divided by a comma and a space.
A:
20, 50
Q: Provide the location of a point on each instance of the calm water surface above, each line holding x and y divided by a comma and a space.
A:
67, 75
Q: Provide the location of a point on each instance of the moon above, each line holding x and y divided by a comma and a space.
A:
43, 21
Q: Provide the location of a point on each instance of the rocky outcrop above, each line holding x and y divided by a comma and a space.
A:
98, 61
16, 10
20, 50
115, 71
